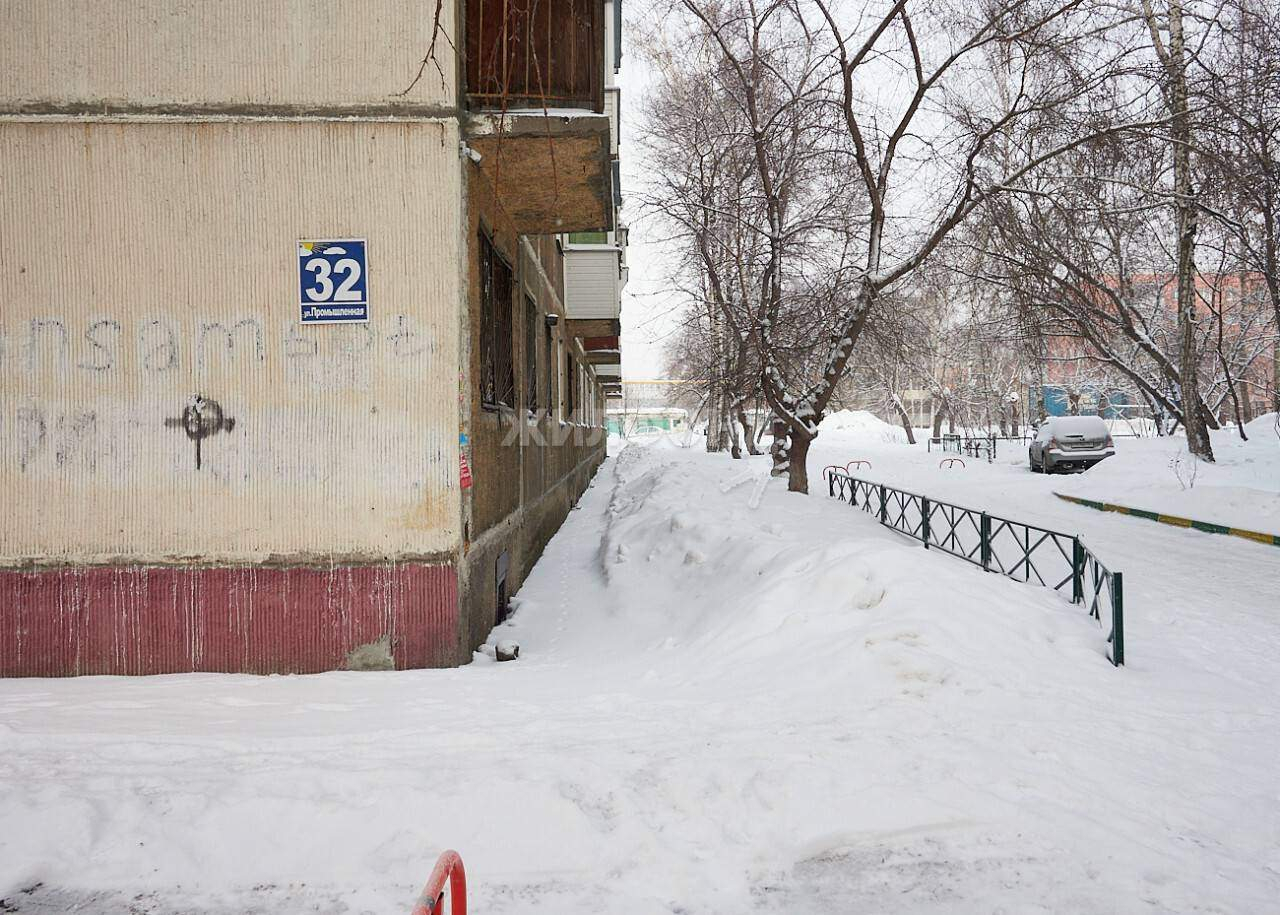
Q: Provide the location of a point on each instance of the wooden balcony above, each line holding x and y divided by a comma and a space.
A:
550, 174
535, 88
543, 54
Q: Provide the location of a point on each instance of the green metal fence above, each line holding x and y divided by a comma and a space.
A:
974, 446
1023, 552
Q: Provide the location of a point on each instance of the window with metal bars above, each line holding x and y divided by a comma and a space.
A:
531, 353
497, 373
570, 387
549, 365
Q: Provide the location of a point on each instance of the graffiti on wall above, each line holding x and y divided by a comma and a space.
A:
56, 374
157, 346
201, 418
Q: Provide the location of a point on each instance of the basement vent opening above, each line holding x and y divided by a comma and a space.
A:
500, 588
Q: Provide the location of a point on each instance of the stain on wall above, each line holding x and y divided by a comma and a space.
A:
136, 620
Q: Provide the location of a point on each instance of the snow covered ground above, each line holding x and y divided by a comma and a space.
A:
729, 699
1240, 489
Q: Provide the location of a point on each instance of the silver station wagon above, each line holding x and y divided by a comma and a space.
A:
1070, 443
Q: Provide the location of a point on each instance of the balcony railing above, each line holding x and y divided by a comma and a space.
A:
535, 54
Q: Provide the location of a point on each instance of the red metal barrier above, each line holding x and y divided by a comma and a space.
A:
949, 462
847, 468
448, 869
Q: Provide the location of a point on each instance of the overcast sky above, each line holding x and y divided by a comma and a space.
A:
649, 309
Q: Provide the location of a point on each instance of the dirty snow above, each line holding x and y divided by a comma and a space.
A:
729, 699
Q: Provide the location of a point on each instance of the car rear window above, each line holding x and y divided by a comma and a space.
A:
1085, 426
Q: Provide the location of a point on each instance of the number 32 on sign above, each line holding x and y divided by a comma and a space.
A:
333, 281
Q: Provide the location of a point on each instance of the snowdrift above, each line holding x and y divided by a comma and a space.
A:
861, 422
743, 574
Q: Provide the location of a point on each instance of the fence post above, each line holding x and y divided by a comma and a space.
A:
884, 505
984, 532
1117, 619
924, 520
1077, 571
831, 485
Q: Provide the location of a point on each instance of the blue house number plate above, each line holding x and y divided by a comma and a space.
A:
333, 281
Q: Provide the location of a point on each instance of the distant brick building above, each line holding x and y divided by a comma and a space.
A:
1076, 380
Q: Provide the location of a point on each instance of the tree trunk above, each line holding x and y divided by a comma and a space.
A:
748, 432
713, 422
778, 450
1193, 419
718, 433
798, 475
938, 411
1235, 403
905, 419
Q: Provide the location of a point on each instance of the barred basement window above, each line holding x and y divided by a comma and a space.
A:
531, 353
570, 386
549, 364
497, 372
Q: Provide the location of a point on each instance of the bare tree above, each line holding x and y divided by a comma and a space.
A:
916, 154
1168, 39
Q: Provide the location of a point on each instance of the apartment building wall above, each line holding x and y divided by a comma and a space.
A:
529, 465
230, 57
159, 163
151, 263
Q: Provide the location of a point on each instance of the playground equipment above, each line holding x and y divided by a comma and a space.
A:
847, 468
948, 463
449, 870
974, 446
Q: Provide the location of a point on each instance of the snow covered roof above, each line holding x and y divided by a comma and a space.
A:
1090, 426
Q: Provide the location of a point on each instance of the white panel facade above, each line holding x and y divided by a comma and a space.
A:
145, 264
142, 53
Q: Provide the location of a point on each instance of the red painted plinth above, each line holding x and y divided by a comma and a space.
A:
140, 620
